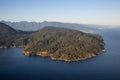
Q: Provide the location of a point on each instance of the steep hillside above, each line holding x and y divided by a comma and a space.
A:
10, 37
6, 30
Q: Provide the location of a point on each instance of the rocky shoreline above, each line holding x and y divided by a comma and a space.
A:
45, 54
12, 47
3, 47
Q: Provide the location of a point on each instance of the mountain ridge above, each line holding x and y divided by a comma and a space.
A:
33, 26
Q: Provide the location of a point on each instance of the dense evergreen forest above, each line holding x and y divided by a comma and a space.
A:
57, 43
10, 37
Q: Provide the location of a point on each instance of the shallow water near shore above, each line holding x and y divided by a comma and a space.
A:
15, 66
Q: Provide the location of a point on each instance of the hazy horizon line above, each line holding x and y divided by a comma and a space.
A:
59, 22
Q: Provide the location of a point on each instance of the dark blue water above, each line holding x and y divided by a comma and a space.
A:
15, 66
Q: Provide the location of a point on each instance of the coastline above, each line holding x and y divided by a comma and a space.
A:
45, 54
12, 47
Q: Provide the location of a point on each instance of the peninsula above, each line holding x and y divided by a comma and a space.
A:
54, 42
64, 44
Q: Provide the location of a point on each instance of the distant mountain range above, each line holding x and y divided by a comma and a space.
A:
33, 26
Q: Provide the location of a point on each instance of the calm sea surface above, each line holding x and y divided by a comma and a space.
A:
15, 66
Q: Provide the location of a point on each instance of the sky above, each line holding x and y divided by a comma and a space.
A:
104, 12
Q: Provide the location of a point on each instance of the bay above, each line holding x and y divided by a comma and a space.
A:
15, 66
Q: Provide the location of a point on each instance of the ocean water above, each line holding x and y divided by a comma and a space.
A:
15, 66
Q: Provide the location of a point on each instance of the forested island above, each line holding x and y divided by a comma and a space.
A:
54, 42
